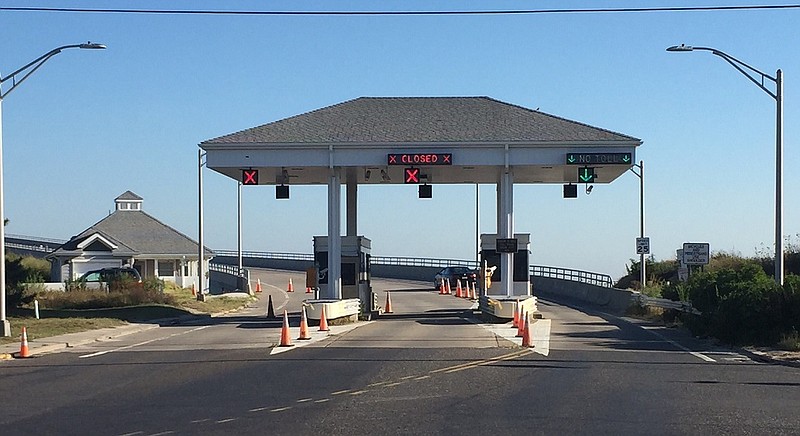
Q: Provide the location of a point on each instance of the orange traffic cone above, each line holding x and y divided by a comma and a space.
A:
527, 335
23, 348
258, 286
303, 326
447, 284
388, 308
270, 309
323, 322
194, 292
441, 288
458, 289
474, 294
286, 340
521, 328
515, 323
308, 289
291, 288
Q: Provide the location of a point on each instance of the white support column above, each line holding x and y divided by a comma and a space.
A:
505, 224
334, 290
352, 202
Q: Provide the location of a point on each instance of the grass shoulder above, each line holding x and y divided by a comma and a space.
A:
83, 310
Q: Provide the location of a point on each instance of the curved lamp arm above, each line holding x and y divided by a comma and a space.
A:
34, 65
749, 71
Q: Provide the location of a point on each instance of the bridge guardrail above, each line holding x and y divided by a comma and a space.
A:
266, 255
683, 306
573, 275
39, 248
598, 279
421, 261
36, 239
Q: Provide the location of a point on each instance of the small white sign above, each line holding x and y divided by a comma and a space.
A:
643, 245
695, 253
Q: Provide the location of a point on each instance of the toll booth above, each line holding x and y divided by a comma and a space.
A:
355, 272
491, 249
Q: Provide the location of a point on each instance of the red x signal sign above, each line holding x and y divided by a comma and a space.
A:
249, 177
411, 175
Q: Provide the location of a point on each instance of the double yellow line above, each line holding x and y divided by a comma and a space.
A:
469, 365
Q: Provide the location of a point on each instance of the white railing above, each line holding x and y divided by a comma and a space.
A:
36, 239
421, 262
266, 255
39, 248
572, 275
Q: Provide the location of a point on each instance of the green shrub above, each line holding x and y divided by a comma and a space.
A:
100, 299
21, 270
749, 311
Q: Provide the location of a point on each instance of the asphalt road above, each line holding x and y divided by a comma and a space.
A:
429, 368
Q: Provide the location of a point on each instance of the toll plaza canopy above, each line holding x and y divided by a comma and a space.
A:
433, 140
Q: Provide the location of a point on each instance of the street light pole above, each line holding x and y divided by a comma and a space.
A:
25, 71
642, 263
758, 77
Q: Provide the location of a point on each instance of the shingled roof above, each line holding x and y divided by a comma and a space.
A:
136, 233
378, 120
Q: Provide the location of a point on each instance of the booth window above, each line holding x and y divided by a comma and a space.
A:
166, 268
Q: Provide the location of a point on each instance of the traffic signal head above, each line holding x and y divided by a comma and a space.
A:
411, 175
586, 175
281, 192
570, 191
250, 177
425, 191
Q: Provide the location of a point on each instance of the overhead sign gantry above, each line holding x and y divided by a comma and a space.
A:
423, 140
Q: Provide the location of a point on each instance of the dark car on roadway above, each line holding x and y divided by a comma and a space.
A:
454, 273
111, 274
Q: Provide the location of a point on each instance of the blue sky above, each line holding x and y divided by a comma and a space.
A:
90, 125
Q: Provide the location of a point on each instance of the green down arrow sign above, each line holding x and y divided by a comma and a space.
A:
586, 175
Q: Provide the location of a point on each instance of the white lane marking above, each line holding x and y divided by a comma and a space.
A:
258, 409
304, 400
317, 336
223, 421
127, 347
700, 356
285, 296
340, 392
132, 434
280, 409
323, 400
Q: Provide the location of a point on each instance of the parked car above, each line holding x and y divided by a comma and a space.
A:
111, 274
454, 273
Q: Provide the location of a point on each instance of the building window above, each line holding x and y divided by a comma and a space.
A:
166, 268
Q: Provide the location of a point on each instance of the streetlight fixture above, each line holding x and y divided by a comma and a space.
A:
25, 71
642, 263
759, 78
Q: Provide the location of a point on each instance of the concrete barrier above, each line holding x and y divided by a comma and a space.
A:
610, 299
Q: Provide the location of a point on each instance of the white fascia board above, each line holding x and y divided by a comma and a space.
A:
97, 237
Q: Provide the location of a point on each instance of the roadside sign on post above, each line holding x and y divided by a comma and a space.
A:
643, 245
683, 273
695, 253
